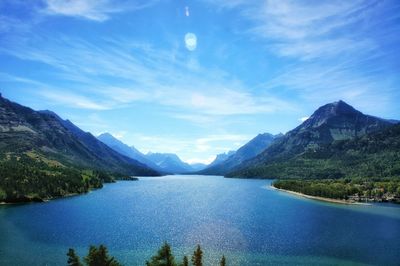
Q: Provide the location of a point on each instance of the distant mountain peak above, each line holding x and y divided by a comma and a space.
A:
264, 135
169, 162
225, 162
106, 135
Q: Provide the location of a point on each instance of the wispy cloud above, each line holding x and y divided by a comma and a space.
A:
97, 10
311, 53
207, 143
307, 30
344, 80
191, 150
206, 161
74, 100
143, 74
337, 49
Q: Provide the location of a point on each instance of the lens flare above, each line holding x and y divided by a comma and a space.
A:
190, 41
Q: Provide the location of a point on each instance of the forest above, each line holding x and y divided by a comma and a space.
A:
371, 156
98, 256
29, 177
356, 189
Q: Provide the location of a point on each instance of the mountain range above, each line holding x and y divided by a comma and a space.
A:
23, 129
332, 123
246, 152
128, 151
162, 162
169, 162
45, 156
220, 158
373, 156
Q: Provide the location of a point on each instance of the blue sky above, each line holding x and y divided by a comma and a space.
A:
198, 78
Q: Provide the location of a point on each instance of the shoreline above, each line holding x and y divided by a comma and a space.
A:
44, 200
69, 195
337, 201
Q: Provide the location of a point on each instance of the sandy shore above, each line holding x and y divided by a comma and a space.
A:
320, 198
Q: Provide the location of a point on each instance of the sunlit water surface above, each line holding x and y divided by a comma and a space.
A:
245, 220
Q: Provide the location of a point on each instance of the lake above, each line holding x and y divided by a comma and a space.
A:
248, 222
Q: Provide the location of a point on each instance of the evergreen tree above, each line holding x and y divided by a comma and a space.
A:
185, 261
73, 259
197, 258
99, 257
223, 261
164, 257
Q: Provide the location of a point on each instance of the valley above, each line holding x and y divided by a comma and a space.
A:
44, 156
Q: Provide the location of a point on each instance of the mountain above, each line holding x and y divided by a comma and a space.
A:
128, 151
246, 152
197, 166
23, 129
329, 123
221, 158
169, 162
43, 156
374, 156
108, 158
162, 162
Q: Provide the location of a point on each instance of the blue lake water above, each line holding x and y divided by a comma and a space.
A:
245, 220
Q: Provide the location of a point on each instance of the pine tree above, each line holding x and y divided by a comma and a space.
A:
223, 261
99, 257
185, 261
197, 258
73, 259
164, 257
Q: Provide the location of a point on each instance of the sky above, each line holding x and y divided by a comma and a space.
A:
198, 77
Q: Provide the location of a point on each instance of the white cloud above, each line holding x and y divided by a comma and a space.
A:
307, 29
97, 10
148, 75
189, 149
341, 49
343, 80
199, 160
74, 100
119, 135
304, 118
208, 143
307, 50
12, 78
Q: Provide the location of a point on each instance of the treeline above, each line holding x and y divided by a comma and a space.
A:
28, 177
375, 155
345, 189
98, 256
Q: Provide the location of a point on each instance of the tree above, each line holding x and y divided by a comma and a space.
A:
223, 261
99, 257
73, 259
197, 258
164, 257
185, 261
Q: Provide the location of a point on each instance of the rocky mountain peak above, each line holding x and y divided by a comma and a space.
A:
331, 110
